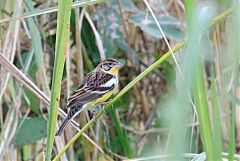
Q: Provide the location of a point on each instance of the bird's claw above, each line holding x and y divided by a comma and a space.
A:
102, 108
103, 104
94, 113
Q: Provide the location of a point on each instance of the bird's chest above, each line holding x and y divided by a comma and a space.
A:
104, 97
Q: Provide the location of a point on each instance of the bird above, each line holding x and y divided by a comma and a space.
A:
95, 89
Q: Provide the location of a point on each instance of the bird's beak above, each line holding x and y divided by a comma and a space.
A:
120, 65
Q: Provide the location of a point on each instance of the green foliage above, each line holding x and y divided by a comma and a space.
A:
31, 130
126, 5
30, 68
216, 120
203, 114
121, 136
61, 46
169, 24
108, 23
34, 103
89, 41
198, 76
26, 152
170, 73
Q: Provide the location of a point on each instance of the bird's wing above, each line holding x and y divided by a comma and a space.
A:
94, 85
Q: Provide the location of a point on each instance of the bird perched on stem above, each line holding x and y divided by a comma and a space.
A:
96, 88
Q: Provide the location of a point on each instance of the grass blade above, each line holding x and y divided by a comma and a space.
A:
120, 134
37, 46
63, 20
216, 120
235, 76
231, 148
203, 114
196, 60
50, 10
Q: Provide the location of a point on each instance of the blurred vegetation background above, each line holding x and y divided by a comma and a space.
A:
187, 108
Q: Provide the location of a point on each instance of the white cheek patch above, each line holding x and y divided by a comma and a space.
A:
109, 83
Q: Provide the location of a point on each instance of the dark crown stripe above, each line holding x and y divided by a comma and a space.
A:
110, 60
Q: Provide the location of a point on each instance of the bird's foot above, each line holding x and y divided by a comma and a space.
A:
102, 108
103, 104
94, 113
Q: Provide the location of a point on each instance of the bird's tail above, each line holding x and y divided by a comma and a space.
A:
62, 127
73, 112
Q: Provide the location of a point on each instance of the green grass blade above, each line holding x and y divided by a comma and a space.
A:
231, 147
26, 152
199, 87
235, 58
203, 113
216, 119
120, 134
37, 46
63, 20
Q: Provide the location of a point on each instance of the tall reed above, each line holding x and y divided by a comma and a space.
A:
63, 20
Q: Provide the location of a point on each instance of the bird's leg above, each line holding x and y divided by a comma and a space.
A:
104, 103
93, 113
101, 106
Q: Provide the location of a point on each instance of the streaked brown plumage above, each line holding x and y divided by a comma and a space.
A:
97, 87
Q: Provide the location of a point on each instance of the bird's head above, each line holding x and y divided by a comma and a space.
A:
110, 66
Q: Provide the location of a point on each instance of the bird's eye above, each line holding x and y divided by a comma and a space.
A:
106, 67
109, 64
